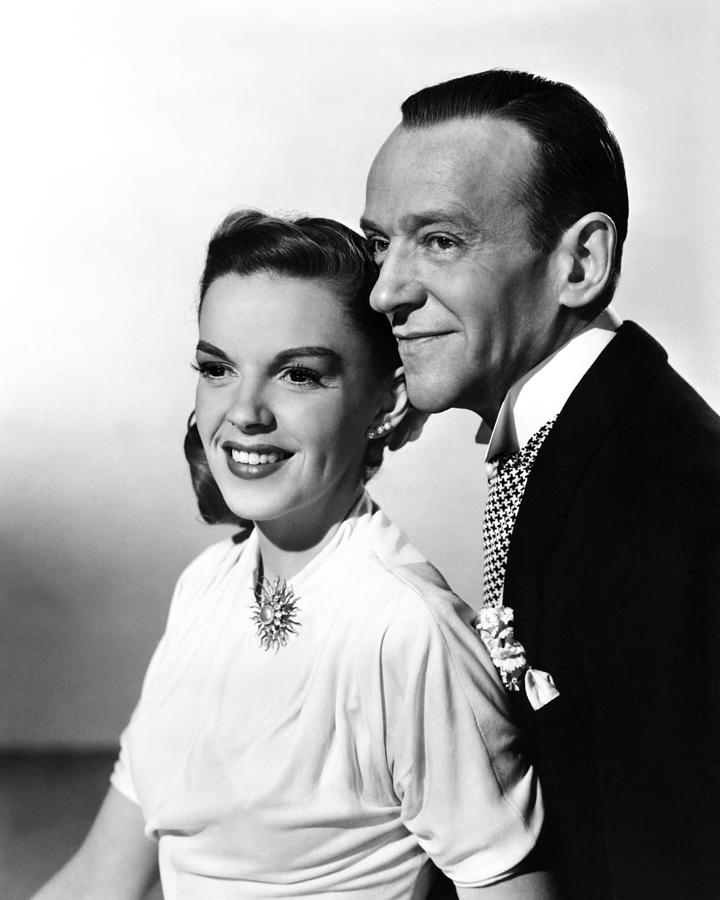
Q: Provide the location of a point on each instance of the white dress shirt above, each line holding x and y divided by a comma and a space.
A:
541, 394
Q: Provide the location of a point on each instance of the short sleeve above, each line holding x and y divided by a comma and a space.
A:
121, 779
186, 589
465, 789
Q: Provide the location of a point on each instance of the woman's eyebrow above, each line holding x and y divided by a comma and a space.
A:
205, 347
294, 352
282, 357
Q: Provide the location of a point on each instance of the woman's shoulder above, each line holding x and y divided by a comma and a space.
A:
396, 571
205, 572
216, 556
405, 607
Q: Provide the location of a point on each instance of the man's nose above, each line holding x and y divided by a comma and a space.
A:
250, 410
398, 285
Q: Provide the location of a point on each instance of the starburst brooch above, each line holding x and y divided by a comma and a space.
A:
273, 613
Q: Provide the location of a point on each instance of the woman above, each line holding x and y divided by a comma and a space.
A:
319, 718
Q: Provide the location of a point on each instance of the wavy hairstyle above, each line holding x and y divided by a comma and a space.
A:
249, 242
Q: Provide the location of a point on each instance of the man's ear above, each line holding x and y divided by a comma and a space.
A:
585, 256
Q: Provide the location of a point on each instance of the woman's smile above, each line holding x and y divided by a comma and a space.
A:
254, 460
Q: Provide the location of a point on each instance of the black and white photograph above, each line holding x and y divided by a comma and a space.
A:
360, 450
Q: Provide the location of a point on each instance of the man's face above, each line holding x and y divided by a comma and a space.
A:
471, 302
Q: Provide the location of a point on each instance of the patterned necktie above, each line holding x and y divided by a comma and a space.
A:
505, 491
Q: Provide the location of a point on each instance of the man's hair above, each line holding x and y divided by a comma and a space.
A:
249, 242
578, 167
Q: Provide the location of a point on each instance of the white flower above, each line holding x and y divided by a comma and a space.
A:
489, 617
508, 654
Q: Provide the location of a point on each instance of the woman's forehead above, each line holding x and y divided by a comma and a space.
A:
274, 312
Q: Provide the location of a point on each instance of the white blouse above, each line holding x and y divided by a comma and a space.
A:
378, 737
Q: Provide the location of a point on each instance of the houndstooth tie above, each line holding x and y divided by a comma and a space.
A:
505, 491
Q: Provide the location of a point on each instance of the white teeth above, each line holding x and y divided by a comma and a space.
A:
254, 459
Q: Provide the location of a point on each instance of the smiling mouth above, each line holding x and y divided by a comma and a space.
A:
254, 462
252, 458
419, 337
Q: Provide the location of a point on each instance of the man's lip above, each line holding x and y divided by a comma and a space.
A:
418, 335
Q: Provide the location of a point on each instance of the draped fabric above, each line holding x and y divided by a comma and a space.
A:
377, 739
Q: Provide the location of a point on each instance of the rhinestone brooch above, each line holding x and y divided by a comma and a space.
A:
273, 613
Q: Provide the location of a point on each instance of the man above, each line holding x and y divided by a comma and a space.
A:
497, 211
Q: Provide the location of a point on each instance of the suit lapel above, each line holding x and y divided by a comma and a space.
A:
612, 384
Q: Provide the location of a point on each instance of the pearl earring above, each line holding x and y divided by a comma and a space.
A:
380, 431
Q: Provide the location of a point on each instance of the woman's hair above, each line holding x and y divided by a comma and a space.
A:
248, 242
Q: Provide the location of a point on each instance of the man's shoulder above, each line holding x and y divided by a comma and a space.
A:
634, 381
633, 439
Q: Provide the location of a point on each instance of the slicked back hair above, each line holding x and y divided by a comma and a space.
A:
249, 242
578, 167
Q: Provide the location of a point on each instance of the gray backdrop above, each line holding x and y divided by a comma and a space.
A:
130, 129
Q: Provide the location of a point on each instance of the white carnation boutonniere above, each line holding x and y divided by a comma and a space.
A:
494, 627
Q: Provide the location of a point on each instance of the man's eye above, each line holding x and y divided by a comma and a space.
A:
302, 376
378, 245
441, 242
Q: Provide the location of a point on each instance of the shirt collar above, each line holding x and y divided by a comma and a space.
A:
541, 393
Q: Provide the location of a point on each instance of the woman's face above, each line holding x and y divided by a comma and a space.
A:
286, 392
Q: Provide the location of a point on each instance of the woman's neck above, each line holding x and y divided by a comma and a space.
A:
285, 551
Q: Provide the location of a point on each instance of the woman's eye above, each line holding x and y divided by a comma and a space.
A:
301, 376
211, 370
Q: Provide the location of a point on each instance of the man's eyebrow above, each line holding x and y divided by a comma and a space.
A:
414, 221
368, 225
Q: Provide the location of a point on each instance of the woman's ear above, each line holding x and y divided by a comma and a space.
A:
400, 422
394, 406
585, 256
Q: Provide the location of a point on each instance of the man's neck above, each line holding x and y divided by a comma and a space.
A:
542, 391
568, 325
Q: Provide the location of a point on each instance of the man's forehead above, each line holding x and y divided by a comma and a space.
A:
465, 142
457, 164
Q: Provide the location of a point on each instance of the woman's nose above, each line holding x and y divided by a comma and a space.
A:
250, 411
397, 286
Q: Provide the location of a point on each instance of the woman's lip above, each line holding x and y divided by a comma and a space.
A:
250, 467
229, 446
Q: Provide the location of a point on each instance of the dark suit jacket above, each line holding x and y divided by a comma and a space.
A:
614, 576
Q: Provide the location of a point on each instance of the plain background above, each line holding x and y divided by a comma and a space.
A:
129, 131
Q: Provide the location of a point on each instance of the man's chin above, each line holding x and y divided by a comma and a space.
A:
426, 397
434, 394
